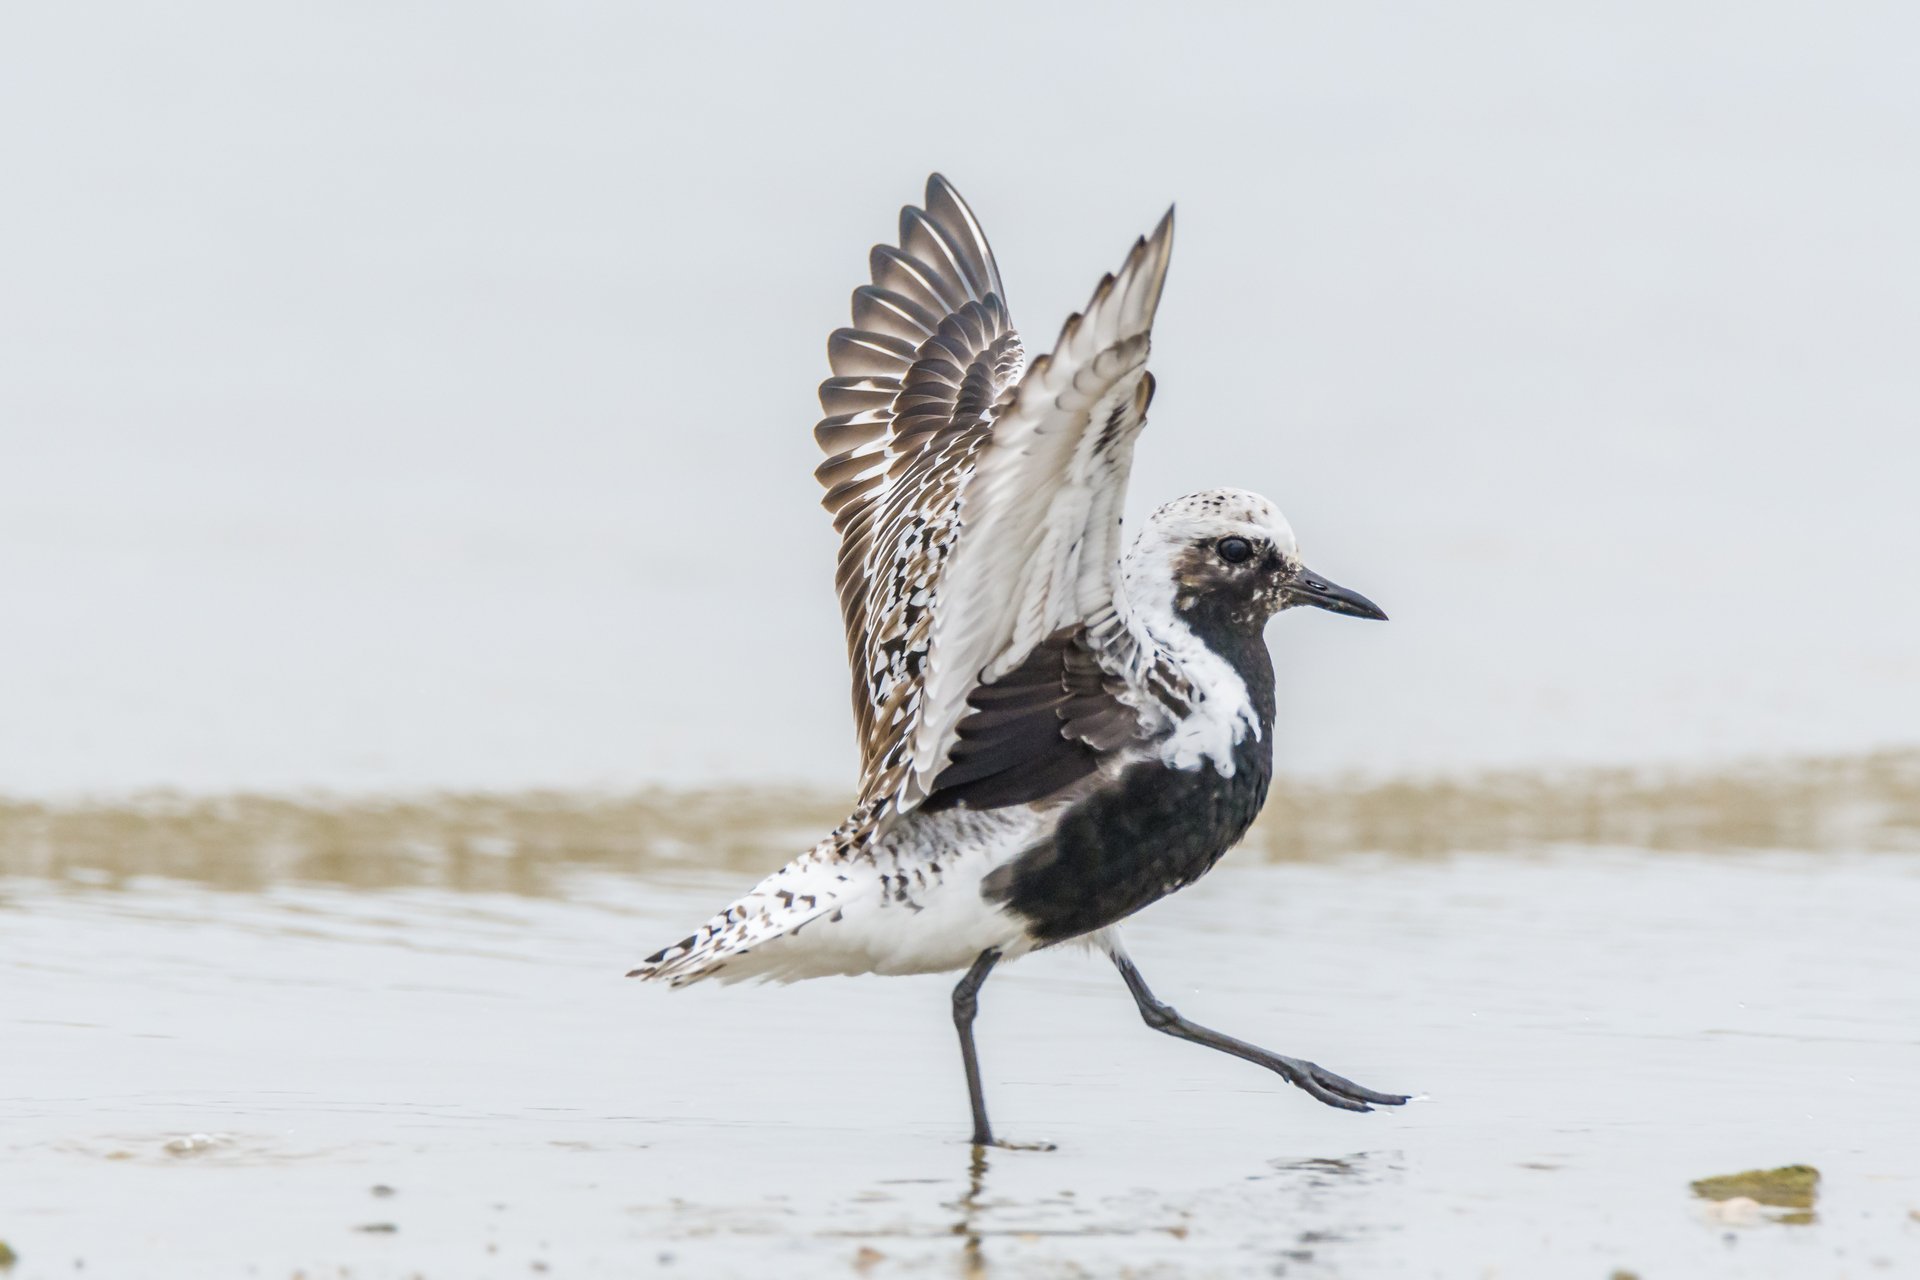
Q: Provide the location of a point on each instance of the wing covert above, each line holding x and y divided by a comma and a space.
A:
1042, 726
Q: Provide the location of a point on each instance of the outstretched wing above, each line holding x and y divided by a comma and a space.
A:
931, 351
980, 518
1041, 547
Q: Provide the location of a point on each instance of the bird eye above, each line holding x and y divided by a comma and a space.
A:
1234, 550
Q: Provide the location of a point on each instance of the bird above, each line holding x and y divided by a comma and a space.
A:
1056, 727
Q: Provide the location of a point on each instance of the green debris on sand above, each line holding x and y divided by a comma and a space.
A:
7, 1256
1792, 1186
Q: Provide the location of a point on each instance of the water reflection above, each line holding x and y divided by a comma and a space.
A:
1326, 1201
973, 1261
173, 1046
529, 843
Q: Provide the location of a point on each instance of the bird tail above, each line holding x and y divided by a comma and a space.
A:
809, 888
702, 953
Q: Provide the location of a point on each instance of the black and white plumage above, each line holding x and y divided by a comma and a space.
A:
1055, 729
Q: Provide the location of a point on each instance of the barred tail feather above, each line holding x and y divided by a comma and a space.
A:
725, 946
812, 886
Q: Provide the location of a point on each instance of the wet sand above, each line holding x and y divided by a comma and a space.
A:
269, 1038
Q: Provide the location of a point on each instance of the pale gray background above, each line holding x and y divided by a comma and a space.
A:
400, 395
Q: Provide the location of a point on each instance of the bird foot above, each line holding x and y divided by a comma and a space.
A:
1334, 1090
1003, 1145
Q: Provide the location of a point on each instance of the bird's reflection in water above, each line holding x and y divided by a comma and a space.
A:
1328, 1201
1301, 1205
1318, 1172
973, 1258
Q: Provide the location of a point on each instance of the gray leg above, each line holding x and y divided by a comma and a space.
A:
1335, 1091
966, 1003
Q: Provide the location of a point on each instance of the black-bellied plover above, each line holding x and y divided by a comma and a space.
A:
1055, 729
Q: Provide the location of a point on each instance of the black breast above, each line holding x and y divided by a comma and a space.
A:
1152, 830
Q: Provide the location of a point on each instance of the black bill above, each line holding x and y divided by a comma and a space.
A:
1308, 587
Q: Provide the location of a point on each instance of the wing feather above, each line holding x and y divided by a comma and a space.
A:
978, 501
1043, 726
884, 311
862, 353
845, 395
898, 272
930, 351
1042, 544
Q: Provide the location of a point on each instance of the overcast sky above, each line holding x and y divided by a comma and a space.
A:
401, 395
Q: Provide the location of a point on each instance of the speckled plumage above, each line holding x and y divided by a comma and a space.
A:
1008, 664
978, 502
1052, 734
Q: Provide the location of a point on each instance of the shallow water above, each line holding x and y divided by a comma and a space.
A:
275, 1060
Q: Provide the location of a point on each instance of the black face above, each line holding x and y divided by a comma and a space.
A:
1234, 580
1242, 581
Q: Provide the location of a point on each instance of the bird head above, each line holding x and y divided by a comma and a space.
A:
1226, 556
